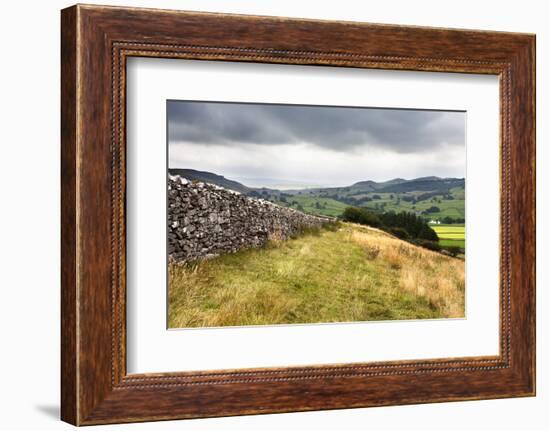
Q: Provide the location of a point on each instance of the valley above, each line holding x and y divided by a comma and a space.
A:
432, 198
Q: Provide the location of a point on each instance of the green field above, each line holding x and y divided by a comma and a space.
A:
431, 198
343, 274
315, 205
450, 234
453, 208
319, 205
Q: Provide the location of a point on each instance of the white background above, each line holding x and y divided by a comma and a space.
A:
151, 348
29, 217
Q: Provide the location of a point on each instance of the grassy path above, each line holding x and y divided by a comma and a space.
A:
351, 274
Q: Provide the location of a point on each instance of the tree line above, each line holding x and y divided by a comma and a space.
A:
404, 225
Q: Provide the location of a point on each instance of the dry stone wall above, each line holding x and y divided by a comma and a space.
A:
205, 221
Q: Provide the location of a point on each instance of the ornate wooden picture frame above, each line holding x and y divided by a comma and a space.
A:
96, 41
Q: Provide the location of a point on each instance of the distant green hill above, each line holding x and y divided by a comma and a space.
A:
432, 184
433, 198
373, 185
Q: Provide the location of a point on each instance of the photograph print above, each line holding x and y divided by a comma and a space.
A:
299, 214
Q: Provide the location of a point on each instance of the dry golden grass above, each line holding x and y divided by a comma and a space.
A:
438, 278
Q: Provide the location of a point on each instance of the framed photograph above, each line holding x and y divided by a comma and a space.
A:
294, 232
263, 214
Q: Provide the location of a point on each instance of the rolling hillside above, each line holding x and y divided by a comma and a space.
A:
432, 198
346, 273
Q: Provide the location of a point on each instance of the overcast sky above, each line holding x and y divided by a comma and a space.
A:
292, 145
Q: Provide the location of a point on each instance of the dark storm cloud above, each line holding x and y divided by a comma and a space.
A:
340, 129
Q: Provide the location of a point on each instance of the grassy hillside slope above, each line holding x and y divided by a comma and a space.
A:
352, 273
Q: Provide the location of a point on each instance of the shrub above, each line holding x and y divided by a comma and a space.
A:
430, 245
361, 216
332, 226
399, 232
432, 209
453, 250
427, 233
372, 252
